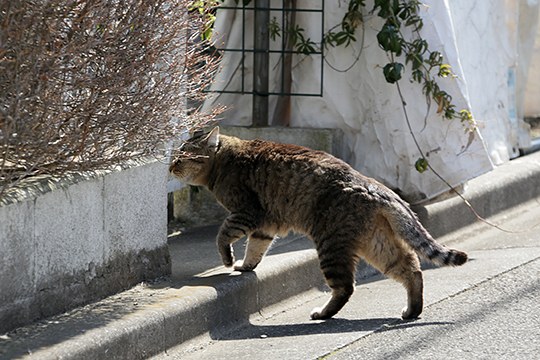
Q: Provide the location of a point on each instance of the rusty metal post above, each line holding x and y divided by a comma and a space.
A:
261, 63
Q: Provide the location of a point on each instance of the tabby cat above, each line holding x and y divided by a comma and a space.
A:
271, 189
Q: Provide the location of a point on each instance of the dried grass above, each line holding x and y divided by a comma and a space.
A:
88, 85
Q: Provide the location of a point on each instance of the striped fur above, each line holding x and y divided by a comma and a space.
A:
271, 189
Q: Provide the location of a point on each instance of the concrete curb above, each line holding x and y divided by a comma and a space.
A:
508, 185
150, 319
147, 320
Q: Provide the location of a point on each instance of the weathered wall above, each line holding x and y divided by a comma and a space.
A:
532, 91
67, 242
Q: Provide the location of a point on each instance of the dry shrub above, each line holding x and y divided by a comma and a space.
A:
91, 84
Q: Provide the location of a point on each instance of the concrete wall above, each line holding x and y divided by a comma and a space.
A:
532, 90
66, 242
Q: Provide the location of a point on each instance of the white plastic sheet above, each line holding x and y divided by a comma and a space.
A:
477, 38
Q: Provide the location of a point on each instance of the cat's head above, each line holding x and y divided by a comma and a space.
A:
192, 162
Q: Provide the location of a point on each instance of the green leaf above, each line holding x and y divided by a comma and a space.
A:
419, 46
450, 111
274, 29
388, 8
415, 59
415, 21
430, 87
392, 72
389, 39
421, 165
306, 47
329, 39
405, 12
418, 75
465, 116
435, 59
344, 37
354, 5
207, 34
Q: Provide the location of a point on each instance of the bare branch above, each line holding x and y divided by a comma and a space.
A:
89, 84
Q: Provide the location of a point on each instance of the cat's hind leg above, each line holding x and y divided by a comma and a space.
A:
258, 243
413, 282
395, 259
406, 270
338, 263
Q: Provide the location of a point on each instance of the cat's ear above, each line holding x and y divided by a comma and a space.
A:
212, 140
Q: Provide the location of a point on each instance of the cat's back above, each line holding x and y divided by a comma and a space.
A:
293, 185
282, 171
261, 155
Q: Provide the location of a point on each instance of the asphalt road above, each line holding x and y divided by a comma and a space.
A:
497, 319
489, 308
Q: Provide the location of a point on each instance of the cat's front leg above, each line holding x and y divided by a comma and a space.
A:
258, 243
234, 227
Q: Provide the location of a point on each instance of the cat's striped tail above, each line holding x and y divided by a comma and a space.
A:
406, 225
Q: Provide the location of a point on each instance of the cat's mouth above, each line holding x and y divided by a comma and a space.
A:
179, 174
182, 173
171, 168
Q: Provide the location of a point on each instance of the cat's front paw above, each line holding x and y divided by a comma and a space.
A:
227, 255
241, 266
228, 261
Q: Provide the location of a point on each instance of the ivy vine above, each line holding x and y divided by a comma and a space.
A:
399, 14
425, 65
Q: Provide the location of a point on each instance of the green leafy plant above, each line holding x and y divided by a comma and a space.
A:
206, 8
302, 44
274, 29
426, 66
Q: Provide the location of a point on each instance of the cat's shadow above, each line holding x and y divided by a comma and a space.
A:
331, 326
224, 282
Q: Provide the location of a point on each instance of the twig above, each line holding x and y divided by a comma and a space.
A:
453, 189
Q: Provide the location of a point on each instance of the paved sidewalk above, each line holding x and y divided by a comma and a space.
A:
487, 308
203, 297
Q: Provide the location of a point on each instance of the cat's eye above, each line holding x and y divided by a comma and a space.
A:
189, 147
